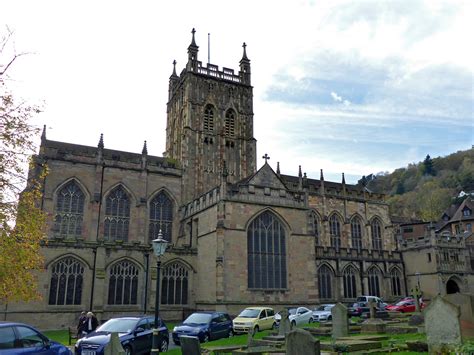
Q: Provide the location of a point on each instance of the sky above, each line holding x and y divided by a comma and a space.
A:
358, 87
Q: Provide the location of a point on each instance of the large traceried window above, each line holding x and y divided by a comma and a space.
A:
335, 231
374, 282
325, 277
69, 210
315, 227
174, 285
161, 217
376, 230
230, 123
117, 215
66, 282
123, 283
356, 233
350, 285
395, 278
208, 122
266, 252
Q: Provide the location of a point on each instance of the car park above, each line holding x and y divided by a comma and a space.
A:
135, 335
254, 319
297, 316
322, 313
205, 326
19, 338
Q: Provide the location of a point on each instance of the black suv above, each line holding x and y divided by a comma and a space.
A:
135, 334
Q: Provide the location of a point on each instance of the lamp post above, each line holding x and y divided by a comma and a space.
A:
159, 248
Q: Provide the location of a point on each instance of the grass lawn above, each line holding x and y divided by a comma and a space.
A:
61, 336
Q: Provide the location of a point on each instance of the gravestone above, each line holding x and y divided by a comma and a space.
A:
285, 324
340, 325
442, 325
114, 347
190, 345
466, 304
416, 293
299, 342
372, 308
373, 324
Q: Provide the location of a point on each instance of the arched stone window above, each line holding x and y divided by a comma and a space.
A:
117, 215
66, 282
174, 285
376, 230
69, 210
230, 123
335, 231
315, 227
374, 281
123, 283
161, 217
350, 285
395, 278
208, 122
266, 252
356, 233
325, 276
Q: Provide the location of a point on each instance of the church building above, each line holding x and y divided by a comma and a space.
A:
237, 236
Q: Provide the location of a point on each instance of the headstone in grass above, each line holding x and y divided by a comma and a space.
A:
285, 324
114, 347
442, 325
299, 342
190, 345
466, 304
340, 325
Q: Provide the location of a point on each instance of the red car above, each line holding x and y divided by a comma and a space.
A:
407, 305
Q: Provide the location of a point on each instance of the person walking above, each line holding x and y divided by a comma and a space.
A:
80, 324
90, 323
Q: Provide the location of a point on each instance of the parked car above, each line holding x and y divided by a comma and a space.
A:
323, 313
19, 338
404, 306
205, 325
359, 308
254, 319
135, 334
367, 299
297, 316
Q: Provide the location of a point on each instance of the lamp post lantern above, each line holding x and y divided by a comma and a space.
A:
159, 248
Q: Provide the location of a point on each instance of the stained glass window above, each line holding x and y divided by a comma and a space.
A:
315, 228
174, 285
266, 253
161, 217
395, 277
374, 282
117, 215
335, 231
325, 276
376, 229
350, 285
69, 210
123, 283
356, 233
66, 282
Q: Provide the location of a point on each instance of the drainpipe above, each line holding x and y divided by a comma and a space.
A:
147, 257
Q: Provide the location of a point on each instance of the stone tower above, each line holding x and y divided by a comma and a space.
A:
209, 122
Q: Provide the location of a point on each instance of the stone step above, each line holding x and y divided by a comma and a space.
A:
351, 345
366, 337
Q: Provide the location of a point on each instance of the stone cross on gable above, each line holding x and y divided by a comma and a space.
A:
266, 157
416, 293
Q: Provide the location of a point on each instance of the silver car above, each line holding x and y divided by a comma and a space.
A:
323, 313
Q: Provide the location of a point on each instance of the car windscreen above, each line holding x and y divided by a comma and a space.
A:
198, 318
118, 326
328, 308
249, 313
292, 311
320, 308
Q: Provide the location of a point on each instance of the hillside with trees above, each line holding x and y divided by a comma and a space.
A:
425, 189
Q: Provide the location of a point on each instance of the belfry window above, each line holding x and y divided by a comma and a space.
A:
266, 253
174, 285
356, 233
374, 282
335, 231
376, 230
117, 215
161, 217
325, 276
350, 286
208, 121
66, 282
123, 283
230, 123
69, 210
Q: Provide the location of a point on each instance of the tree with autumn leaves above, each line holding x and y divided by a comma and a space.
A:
22, 222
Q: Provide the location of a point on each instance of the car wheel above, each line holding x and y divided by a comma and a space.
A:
330, 318
206, 338
310, 320
274, 326
163, 346
293, 324
255, 330
230, 334
128, 350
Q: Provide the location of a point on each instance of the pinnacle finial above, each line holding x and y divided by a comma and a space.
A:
278, 167
193, 42
144, 150
101, 141
43, 134
244, 56
322, 175
343, 179
299, 171
174, 68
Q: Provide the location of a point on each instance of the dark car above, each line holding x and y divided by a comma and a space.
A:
19, 338
359, 308
135, 334
205, 326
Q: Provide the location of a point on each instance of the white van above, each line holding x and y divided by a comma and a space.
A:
380, 303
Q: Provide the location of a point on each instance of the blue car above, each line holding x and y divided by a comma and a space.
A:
135, 335
205, 326
19, 338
